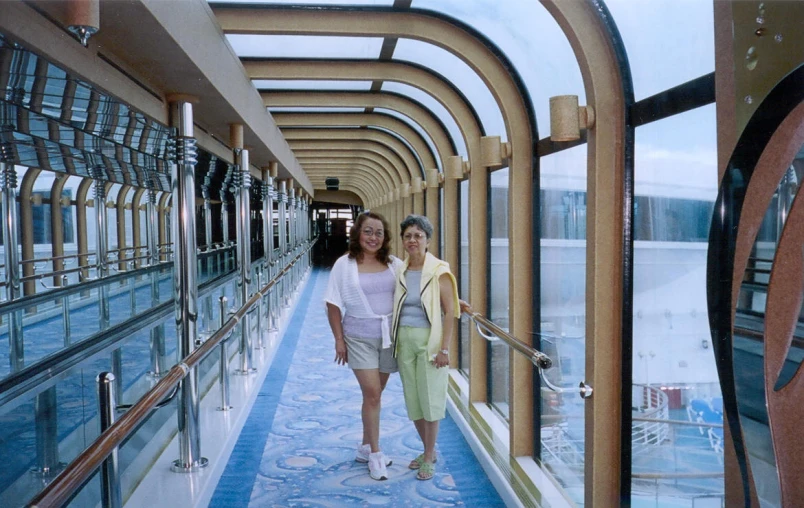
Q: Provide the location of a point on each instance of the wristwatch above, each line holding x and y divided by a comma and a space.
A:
445, 352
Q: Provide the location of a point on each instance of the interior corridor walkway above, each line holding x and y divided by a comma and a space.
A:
298, 445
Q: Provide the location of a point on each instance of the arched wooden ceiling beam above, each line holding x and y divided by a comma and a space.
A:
349, 188
412, 109
367, 168
412, 157
350, 171
388, 122
361, 70
374, 169
340, 197
342, 173
400, 176
347, 175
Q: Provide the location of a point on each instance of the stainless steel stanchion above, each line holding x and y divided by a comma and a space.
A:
260, 342
65, 312
224, 362
184, 281
110, 471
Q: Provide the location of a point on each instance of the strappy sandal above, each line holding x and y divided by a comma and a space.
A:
426, 471
418, 461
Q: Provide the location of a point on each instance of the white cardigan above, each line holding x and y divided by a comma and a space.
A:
344, 292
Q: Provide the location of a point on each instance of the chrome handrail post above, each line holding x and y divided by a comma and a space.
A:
292, 233
243, 205
283, 231
132, 288
225, 223
8, 182
184, 281
268, 239
208, 230
110, 471
65, 312
224, 361
151, 229
260, 342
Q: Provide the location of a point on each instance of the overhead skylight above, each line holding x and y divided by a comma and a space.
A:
433, 105
307, 2
460, 75
305, 46
303, 84
310, 109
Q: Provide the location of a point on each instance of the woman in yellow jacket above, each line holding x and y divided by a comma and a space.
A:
425, 307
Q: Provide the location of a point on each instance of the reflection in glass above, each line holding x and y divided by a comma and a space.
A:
498, 299
675, 381
749, 331
563, 313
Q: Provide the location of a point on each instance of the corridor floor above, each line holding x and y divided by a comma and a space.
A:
298, 445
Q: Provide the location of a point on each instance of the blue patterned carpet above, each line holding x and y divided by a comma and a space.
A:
298, 445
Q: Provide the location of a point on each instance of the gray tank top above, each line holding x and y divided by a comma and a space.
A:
412, 313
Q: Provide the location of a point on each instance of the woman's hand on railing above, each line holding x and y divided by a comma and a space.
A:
466, 308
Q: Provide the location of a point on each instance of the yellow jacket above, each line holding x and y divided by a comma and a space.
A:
430, 296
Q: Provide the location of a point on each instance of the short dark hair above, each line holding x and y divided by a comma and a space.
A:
420, 221
356, 251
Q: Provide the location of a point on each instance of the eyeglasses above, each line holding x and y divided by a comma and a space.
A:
377, 234
414, 236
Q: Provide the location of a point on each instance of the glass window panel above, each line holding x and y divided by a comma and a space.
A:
306, 84
498, 301
403, 141
460, 75
679, 46
304, 46
415, 126
465, 323
310, 2
563, 313
531, 39
674, 374
429, 102
311, 109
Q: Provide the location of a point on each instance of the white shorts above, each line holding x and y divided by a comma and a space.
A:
369, 354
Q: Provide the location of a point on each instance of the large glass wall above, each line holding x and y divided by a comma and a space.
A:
498, 299
463, 285
674, 375
563, 314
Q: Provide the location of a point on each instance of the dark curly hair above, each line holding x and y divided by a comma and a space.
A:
356, 252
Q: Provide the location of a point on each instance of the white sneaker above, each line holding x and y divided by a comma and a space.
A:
376, 465
363, 452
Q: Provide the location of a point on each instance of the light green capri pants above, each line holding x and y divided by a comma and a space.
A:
424, 385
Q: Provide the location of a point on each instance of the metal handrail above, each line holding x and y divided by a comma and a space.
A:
536, 357
55, 258
76, 474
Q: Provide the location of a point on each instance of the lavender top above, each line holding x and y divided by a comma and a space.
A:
379, 290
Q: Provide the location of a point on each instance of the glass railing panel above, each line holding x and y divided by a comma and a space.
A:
562, 215
463, 283
498, 299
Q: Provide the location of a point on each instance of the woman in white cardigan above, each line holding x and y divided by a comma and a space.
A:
359, 302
